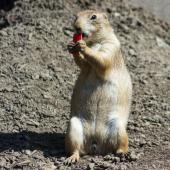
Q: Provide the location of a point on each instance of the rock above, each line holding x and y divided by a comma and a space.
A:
161, 43
90, 166
92, 160
155, 143
124, 28
45, 75
30, 36
35, 76
27, 152
142, 142
116, 159
132, 52
133, 156
158, 119
2, 162
58, 69
107, 157
3, 33
62, 159
123, 167
49, 166
104, 165
116, 14
20, 49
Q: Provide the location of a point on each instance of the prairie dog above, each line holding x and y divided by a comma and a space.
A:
101, 97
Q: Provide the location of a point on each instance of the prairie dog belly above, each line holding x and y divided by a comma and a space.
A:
94, 100
94, 96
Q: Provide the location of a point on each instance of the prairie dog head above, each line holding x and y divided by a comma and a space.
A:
92, 24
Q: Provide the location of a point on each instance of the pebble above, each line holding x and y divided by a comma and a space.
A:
90, 166
35, 76
104, 165
2, 162
45, 76
161, 43
62, 159
107, 157
20, 49
116, 159
27, 152
132, 52
123, 167
116, 14
133, 156
142, 142
3, 33
30, 36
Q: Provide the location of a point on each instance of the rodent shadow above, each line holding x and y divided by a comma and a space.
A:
7, 19
52, 144
6, 5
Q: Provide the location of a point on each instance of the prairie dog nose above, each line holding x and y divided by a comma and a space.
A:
77, 26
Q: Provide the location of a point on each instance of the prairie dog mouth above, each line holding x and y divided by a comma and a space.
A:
84, 35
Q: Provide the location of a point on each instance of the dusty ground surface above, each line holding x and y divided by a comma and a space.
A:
37, 76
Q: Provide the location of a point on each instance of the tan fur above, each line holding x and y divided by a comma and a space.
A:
101, 98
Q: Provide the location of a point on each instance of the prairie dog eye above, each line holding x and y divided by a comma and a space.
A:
93, 17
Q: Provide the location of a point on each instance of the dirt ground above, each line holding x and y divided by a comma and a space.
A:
37, 76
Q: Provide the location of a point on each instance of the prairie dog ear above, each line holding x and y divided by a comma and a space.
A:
104, 15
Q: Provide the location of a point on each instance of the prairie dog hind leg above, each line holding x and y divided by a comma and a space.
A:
74, 140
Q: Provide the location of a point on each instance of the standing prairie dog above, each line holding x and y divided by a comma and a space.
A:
101, 98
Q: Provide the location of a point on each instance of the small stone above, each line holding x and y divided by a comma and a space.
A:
123, 167
46, 96
35, 76
142, 142
49, 166
58, 69
107, 157
16, 154
132, 52
27, 152
2, 162
62, 159
133, 156
30, 36
104, 165
142, 135
154, 166
116, 14
45, 75
20, 49
161, 43
116, 159
92, 160
3, 33
155, 143
125, 28
90, 166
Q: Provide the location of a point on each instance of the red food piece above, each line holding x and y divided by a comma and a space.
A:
77, 37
